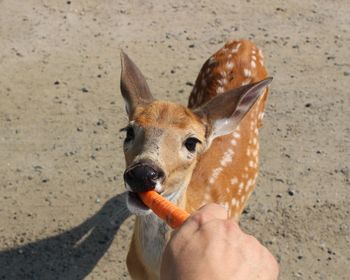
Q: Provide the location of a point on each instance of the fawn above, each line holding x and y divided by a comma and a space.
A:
206, 152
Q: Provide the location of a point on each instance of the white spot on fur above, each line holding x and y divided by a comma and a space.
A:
227, 157
222, 82
253, 64
220, 90
229, 65
261, 54
233, 142
261, 116
234, 181
223, 74
246, 82
234, 50
215, 174
249, 184
247, 73
233, 201
248, 152
236, 135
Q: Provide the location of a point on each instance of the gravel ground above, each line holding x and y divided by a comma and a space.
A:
62, 214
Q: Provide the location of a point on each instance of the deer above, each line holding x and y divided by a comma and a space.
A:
192, 155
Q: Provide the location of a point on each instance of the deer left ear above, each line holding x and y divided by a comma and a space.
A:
224, 112
133, 86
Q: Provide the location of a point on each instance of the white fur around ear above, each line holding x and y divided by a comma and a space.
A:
221, 127
224, 112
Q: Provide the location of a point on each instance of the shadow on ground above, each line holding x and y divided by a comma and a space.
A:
70, 255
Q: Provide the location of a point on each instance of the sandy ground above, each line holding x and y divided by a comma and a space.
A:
62, 214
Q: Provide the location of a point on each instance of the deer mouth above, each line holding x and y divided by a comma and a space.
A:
135, 204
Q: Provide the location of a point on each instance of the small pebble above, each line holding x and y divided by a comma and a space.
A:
291, 192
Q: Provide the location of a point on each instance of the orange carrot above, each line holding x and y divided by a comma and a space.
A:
164, 209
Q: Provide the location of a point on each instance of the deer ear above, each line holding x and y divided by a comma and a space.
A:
133, 86
224, 112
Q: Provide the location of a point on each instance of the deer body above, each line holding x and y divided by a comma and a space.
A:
205, 153
233, 158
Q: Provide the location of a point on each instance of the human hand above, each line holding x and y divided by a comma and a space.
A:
210, 246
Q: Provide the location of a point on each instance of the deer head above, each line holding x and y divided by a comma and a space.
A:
164, 140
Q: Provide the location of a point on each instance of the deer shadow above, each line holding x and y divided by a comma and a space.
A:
69, 255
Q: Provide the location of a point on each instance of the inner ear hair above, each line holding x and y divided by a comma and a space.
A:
224, 112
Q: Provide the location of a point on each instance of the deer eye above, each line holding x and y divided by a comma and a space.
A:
190, 144
130, 134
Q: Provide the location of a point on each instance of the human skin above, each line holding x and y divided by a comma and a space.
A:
210, 246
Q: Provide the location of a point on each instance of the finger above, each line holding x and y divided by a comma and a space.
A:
211, 211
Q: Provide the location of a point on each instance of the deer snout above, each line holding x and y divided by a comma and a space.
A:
143, 176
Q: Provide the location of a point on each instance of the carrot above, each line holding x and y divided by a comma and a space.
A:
164, 209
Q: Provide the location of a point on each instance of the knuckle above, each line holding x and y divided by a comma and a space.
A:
201, 218
231, 226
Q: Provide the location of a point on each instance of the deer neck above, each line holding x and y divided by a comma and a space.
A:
153, 234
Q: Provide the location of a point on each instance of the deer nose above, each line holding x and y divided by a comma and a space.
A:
142, 177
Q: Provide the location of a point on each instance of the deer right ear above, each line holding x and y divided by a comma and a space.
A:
133, 86
224, 112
